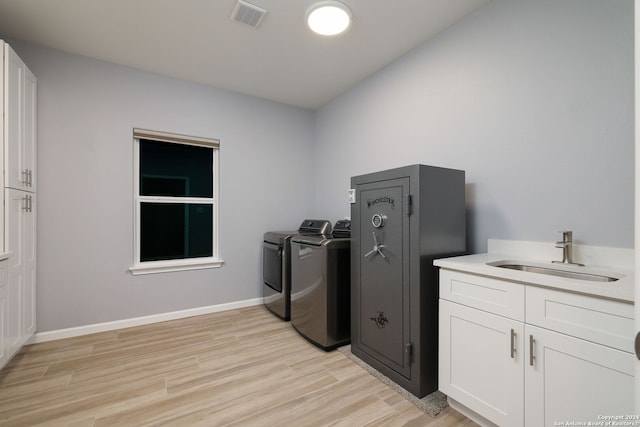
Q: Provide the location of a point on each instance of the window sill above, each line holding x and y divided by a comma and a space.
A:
175, 265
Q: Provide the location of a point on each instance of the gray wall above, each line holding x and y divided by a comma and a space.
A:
533, 99
86, 112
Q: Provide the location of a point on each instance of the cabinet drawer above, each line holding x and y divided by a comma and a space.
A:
598, 320
499, 297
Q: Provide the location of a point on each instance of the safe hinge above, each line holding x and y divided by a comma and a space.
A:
409, 204
408, 354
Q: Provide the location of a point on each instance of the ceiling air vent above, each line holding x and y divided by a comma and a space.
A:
248, 13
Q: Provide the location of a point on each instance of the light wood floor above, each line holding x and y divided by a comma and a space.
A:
241, 367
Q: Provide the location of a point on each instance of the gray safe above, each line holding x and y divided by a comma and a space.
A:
402, 219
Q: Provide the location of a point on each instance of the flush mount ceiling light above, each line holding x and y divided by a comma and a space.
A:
329, 18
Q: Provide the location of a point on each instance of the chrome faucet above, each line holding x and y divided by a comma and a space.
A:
567, 248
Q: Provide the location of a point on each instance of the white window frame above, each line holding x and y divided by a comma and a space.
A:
149, 267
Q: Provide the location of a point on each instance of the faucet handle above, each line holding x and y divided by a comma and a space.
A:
567, 236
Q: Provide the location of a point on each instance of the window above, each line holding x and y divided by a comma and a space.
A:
176, 202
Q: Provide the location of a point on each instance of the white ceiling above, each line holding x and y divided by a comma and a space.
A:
196, 40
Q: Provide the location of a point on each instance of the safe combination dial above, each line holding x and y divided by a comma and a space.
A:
377, 220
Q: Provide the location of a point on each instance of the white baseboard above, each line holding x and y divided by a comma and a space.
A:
137, 321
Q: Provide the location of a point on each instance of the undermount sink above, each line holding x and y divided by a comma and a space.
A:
553, 271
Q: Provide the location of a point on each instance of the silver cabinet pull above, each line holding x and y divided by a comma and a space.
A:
531, 344
27, 204
27, 177
513, 344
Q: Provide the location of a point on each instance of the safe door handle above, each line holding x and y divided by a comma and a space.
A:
377, 248
513, 344
407, 354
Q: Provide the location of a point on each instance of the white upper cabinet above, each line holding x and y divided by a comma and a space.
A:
20, 123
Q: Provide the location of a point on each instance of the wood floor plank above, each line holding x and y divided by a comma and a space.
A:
105, 356
243, 367
77, 406
253, 397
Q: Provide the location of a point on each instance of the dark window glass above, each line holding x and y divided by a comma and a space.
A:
175, 231
175, 170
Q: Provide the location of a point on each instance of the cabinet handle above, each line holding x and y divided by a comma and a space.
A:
29, 177
513, 344
531, 344
26, 203
25, 177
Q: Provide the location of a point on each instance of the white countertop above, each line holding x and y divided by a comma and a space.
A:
621, 289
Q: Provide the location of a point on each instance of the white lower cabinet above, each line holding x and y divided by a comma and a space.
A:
476, 366
514, 373
20, 240
572, 379
19, 271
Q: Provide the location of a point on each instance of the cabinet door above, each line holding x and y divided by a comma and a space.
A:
20, 123
28, 150
570, 379
15, 202
20, 241
14, 70
28, 238
481, 358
